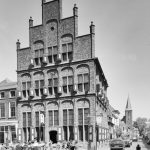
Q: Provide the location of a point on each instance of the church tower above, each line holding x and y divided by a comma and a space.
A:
128, 114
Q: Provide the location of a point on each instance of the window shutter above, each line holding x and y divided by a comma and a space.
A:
19, 134
90, 133
59, 133
32, 130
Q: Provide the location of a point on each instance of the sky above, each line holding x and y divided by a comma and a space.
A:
122, 43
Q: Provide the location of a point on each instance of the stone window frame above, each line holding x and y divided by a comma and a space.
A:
12, 94
2, 94
53, 82
54, 118
2, 110
52, 54
67, 54
12, 109
83, 127
39, 53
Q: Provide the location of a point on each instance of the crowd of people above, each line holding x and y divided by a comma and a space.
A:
34, 145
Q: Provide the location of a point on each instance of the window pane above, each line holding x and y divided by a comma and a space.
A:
80, 78
80, 87
24, 93
86, 86
64, 48
70, 88
28, 85
41, 83
64, 55
55, 58
37, 84
70, 80
50, 83
55, 50
65, 117
55, 82
86, 113
12, 93
36, 53
49, 50
23, 85
37, 119
64, 80
70, 47
55, 90
41, 52
70, 55
71, 117
86, 77
50, 91
36, 61
65, 89
55, 117
37, 92
81, 133
2, 107
80, 116
50, 59
24, 119
12, 109
29, 119
50, 118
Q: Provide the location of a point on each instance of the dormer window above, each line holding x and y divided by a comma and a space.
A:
67, 51
39, 57
52, 54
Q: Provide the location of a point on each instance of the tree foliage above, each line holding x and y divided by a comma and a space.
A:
140, 123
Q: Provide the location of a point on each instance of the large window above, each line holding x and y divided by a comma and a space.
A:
53, 118
68, 124
67, 84
52, 54
39, 85
26, 88
53, 82
12, 94
2, 110
39, 57
12, 109
67, 51
83, 82
27, 123
83, 122
2, 95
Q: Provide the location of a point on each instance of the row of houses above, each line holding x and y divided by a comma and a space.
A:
61, 89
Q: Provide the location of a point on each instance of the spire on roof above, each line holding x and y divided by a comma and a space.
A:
128, 106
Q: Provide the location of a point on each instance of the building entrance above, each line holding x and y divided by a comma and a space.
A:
53, 136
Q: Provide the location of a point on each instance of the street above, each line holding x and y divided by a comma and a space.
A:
143, 145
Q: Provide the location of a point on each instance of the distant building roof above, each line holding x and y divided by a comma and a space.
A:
7, 84
128, 106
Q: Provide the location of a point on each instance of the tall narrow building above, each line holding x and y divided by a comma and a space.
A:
128, 114
62, 90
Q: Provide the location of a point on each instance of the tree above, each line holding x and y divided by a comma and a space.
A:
140, 123
118, 131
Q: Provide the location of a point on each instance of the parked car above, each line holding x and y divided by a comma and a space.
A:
134, 139
127, 142
117, 144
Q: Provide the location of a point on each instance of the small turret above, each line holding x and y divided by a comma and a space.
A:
30, 22
75, 10
92, 28
18, 44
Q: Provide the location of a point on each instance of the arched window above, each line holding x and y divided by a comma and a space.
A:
52, 82
67, 48
83, 78
39, 83
67, 77
26, 84
39, 51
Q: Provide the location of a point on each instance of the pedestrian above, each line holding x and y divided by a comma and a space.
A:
138, 147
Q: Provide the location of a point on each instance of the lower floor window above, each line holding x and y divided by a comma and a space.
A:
83, 132
68, 133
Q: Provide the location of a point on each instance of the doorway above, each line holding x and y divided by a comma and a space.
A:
53, 136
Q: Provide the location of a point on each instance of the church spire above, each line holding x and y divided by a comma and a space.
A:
128, 106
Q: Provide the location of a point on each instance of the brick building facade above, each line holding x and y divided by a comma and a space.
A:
8, 111
62, 90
